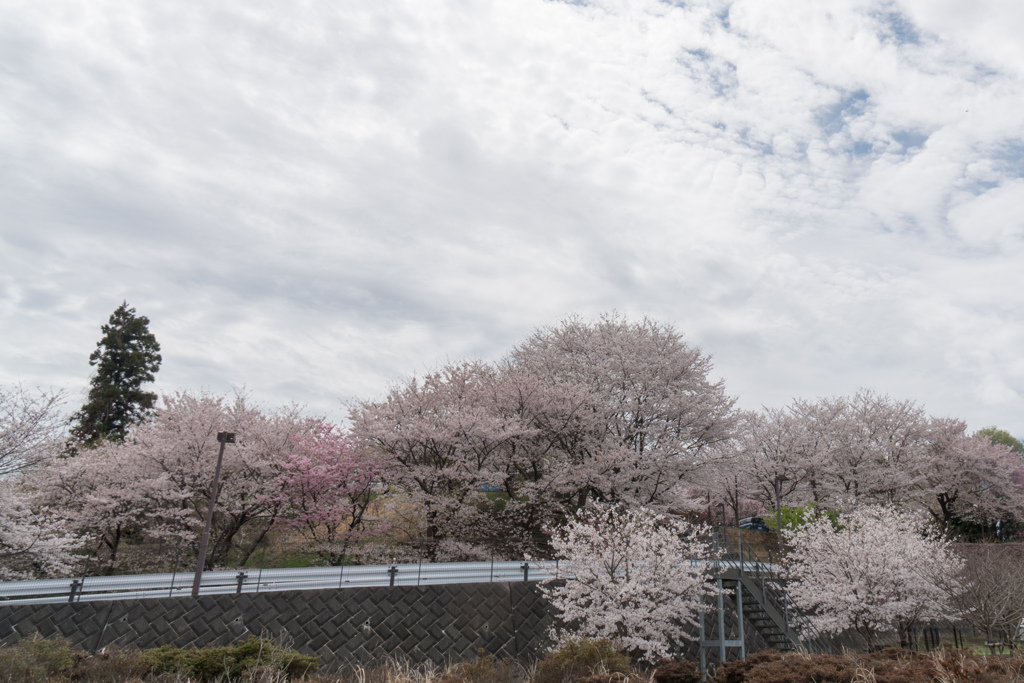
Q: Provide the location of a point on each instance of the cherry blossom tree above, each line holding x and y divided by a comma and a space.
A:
628, 578
844, 451
31, 427
970, 479
109, 497
878, 571
154, 486
658, 411
180, 444
448, 444
610, 411
34, 540
326, 485
769, 444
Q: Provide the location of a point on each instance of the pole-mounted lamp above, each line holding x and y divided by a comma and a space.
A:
224, 438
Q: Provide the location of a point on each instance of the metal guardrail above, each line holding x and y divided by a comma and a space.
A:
90, 588
266, 580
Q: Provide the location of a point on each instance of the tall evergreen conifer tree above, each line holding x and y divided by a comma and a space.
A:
127, 357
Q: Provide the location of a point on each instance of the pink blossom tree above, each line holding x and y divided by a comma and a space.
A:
34, 540
180, 444
658, 412
969, 479
878, 571
611, 411
154, 487
326, 485
448, 446
628, 578
108, 496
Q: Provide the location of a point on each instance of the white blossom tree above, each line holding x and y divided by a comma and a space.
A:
878, 571
111, 497
628, 578
34, 540
31, 427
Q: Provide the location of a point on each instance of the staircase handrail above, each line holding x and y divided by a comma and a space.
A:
773, 588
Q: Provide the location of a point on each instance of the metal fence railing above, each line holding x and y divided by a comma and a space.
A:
84, 589
179, 584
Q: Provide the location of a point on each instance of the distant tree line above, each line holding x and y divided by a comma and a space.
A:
470, 461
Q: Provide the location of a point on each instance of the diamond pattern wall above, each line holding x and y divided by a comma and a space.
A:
343, 626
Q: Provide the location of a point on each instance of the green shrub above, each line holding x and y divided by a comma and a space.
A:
232, 662
579, 659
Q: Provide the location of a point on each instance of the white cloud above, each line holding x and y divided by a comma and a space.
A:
312, 200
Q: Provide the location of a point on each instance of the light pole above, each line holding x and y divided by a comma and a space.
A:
779, 478
224, 438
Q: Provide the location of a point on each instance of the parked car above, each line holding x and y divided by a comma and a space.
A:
753, 524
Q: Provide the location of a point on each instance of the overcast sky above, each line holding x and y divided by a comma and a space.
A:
314, 199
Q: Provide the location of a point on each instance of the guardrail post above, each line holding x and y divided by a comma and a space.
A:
526, 571
393, 572
75, 585
241, 579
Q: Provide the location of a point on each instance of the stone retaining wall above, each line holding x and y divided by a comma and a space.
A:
343, 626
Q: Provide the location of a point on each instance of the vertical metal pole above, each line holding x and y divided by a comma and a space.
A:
224, 438
703, 645
739, 611
393, 571
174, 571
739, 548
259, 576
721, 623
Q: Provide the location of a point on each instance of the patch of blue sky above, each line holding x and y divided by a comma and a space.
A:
832, 119
909, 139
701, 55
1010, 158
897, 28
723, 17
862, 148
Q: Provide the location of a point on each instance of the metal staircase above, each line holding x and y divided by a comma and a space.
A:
757, 591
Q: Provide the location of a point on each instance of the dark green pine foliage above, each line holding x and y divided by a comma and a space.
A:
127, 357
